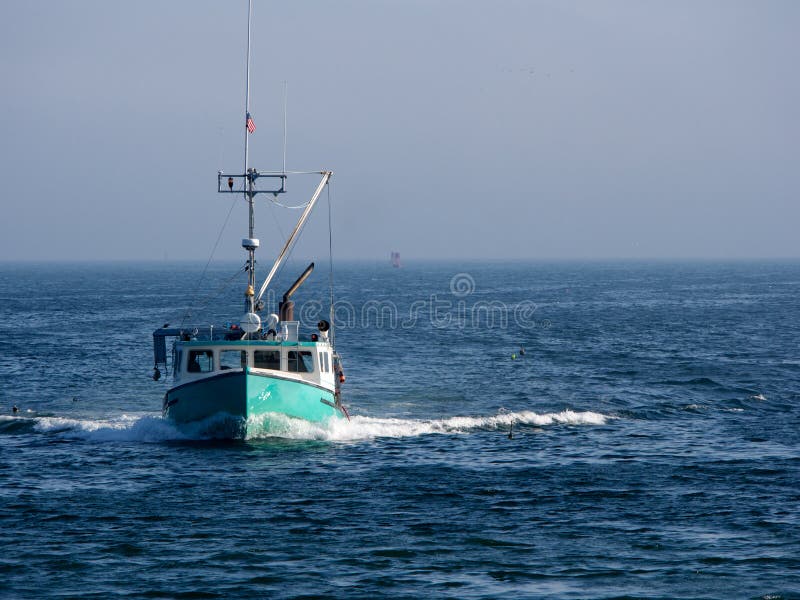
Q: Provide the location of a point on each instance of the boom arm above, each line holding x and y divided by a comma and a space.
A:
326, 175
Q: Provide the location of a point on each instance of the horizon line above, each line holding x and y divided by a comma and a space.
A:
651, 259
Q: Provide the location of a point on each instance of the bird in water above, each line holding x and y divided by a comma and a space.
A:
15, 409
521, 351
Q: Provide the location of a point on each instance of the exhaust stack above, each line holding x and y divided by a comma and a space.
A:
286, 306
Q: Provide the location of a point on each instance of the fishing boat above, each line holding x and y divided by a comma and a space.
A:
235, 374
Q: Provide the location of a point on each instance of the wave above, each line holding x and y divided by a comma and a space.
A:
153, 429
125, 428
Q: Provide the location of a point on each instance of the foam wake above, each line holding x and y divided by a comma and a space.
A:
153, 429
366, 428
125, 428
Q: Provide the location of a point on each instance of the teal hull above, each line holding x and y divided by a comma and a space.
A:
244, 395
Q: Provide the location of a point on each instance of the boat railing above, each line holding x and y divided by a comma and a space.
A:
289, 333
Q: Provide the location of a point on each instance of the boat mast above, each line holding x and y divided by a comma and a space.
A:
226, 183
250, 244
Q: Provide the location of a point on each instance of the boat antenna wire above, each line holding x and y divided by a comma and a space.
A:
285, 104
331, 312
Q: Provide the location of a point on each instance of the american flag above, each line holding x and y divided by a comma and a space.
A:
250, 124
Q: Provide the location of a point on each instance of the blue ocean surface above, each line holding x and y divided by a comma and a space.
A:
646, 444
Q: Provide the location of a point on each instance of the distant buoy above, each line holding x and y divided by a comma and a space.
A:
522, 351
513, 356
511, 431
15, 409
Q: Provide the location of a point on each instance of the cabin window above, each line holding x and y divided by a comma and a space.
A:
300, 361
267, 359
200, 361
327, 364
232, 359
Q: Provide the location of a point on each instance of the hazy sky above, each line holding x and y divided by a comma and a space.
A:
505, 129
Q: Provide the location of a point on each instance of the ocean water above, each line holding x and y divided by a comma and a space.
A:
645, 445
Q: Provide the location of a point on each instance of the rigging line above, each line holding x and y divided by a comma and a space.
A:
288, 259
317, 172
277, 223
331, 312
303, 172
285, 263
212, 295
295, 232
276, 203
208, 262
291, 250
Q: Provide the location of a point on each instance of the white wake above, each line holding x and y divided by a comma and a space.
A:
367, 428
154, 429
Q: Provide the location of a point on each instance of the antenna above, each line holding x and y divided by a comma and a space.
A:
247, 92
285, 101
